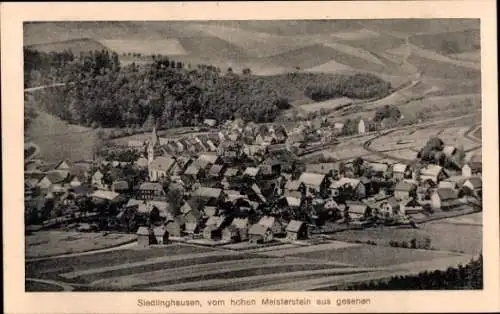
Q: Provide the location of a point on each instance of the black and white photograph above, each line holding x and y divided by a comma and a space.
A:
277, 155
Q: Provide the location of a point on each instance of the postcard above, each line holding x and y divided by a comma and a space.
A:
250, 157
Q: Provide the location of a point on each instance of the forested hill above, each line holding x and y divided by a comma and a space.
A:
103, 93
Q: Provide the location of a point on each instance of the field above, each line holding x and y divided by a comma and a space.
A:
462, 234
58, 140
50, 243
181, 267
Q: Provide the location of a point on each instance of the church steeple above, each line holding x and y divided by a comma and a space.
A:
152, 145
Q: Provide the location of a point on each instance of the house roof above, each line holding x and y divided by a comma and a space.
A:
404, 186
292, 185
215, 221
120, 185
476, 182
106, 195
314, 179
399, 167
207, 192
165, 208
292, 201
163, 163
205, 159
57, 176
267, 221
98, 175
231, 172
357, 208
215, 170
193, 169
344, 180
391, 201
431, 170
251, 171
143, 231
379, 167
148, 186
446, 194
294, 226
258, 229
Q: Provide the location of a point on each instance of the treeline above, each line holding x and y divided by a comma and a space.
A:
42, 68
111, 96
358, 86
462, 277
101, 93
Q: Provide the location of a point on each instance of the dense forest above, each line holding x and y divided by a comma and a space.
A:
462, 277
360, 86
98, 92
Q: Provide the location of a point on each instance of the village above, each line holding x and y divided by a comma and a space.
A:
245, 184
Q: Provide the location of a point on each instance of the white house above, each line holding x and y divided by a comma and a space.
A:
361, 127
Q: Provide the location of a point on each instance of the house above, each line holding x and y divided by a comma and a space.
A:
214, 226
348, 187
76, 181
150, 190
54, 181
241, 225
175, 226
101, 195
120, 186
358, 210
405, 190
192, 221
210, 122
63, 165
378, 169
314, 182
211, 196
289, 202
296, 230
272, 223
97, 179
389, 207
401, 171
160, 234
453, 182
164, 208
230, 234
338, 127
293, 189
433, 173
260, 234
210, 211
475, 163
444, 199
160, 168
216, 171
145, 236
473, 186
361, 127
411, 206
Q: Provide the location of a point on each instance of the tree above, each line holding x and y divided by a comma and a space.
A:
175, 196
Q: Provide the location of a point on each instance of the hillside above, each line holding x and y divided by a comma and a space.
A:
75, 45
